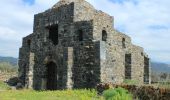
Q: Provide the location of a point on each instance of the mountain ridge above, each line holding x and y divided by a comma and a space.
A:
11, 60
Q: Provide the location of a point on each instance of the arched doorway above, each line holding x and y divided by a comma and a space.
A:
51, 76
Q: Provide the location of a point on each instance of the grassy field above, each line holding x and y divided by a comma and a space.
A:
81, 94
50, 95
7, 94
3, 86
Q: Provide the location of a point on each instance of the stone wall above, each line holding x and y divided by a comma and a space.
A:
137, 64
80, 47
86, 70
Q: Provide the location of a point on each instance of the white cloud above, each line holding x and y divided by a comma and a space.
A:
146, 21
16, 22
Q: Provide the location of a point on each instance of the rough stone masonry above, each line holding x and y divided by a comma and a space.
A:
73, 45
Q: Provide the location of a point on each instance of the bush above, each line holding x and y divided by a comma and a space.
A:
117, 94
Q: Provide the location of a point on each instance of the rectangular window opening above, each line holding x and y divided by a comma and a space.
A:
123, 43
146, 70
128, 66
80, 35
53, 33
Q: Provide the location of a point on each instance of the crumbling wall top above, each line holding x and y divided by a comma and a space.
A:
66, 2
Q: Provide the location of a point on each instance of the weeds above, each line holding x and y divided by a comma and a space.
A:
117, 94
4, 86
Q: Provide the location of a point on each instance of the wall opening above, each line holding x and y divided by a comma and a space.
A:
51, 76
146, 70
23, 77
53, 34
128, 66
104, 35
123, 43
29, 43
80, 35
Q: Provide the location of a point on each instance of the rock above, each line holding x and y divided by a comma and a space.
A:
19, 86
13, 81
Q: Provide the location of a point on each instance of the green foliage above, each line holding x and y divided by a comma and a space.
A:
7, 67
11, 60
131, 82
117, 94
50, 95
4, 86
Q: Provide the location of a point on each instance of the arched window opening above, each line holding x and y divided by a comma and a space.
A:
80, 35
104, 35
123, 43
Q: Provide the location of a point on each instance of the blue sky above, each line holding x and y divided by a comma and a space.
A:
147, 22
30, 2
122, 1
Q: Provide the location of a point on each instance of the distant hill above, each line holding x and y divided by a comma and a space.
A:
11, 60
160, 67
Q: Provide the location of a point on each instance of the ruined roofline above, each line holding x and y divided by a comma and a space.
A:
66, 2
122, 34
134, 45
28, 36
141, 49
138, 47
104, 13
78, 2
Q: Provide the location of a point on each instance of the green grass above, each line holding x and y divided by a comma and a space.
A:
4, 86
84, 94
117, 94
50, 95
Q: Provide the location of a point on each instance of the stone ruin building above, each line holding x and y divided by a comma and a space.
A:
73, 45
